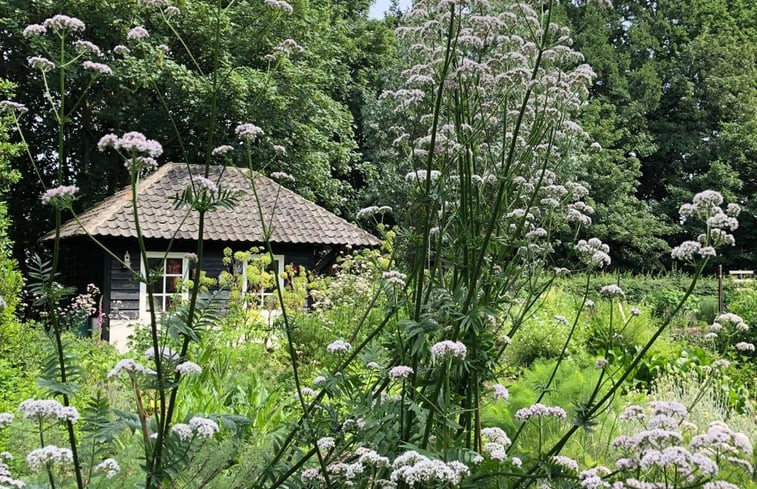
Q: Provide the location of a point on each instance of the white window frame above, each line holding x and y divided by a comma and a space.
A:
280, 272
144, 311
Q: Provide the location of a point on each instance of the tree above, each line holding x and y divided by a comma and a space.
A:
676, 85
323, 58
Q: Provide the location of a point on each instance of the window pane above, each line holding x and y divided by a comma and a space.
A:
169, 302
172, 284
158, 301
173, 266
154, 263
159, 285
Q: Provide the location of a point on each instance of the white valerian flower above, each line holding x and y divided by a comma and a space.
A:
109, 466
326, 443
40, 63
101, 68
183, 431
338, 346
222, 150
137, 34
248, 132
48, 410
204, 427
188, 368
501, 392
400, 372
49, 456
415, 469
9, 106
540, 410
283, 176
130, 366
5, 419
393, 277
448, 348
612, 291
593, 253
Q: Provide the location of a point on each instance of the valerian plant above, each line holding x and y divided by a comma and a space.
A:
487, 100
167, 444
488, 140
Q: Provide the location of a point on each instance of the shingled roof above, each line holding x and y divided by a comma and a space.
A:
294, 219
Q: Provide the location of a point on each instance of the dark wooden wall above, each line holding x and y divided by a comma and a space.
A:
125, 289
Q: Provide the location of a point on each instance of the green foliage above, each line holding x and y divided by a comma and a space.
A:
744, 303
325, 86
708, 309
674, 106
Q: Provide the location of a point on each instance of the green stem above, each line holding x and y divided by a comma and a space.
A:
617, 384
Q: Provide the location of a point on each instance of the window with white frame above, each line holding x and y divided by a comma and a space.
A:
258, 278
170, 271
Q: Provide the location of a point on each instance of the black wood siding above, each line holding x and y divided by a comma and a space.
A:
123, 290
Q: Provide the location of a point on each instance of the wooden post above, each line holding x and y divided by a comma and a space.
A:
720, 289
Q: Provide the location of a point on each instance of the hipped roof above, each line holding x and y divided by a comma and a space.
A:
293, 218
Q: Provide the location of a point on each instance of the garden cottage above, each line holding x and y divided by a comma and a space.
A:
302, 234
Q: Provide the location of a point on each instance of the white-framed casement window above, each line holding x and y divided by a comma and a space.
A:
258, 286
172, 271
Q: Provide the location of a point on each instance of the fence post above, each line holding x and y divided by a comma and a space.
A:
720, 289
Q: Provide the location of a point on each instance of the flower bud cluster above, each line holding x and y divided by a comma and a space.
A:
338, 346
60, 196
40, 410
415, 469
49, 456
539, 410
593, 253
449, 349
5, 473
706, 206
660, 451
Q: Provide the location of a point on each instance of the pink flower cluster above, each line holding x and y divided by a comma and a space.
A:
62, 23
415, 469
539, 410
400, 372
660, 451
447, 348
206, 184
248, 132
59, 195
140, 151
101, 68
49, 456
280, 5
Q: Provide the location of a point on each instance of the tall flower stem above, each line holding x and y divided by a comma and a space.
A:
61, 122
